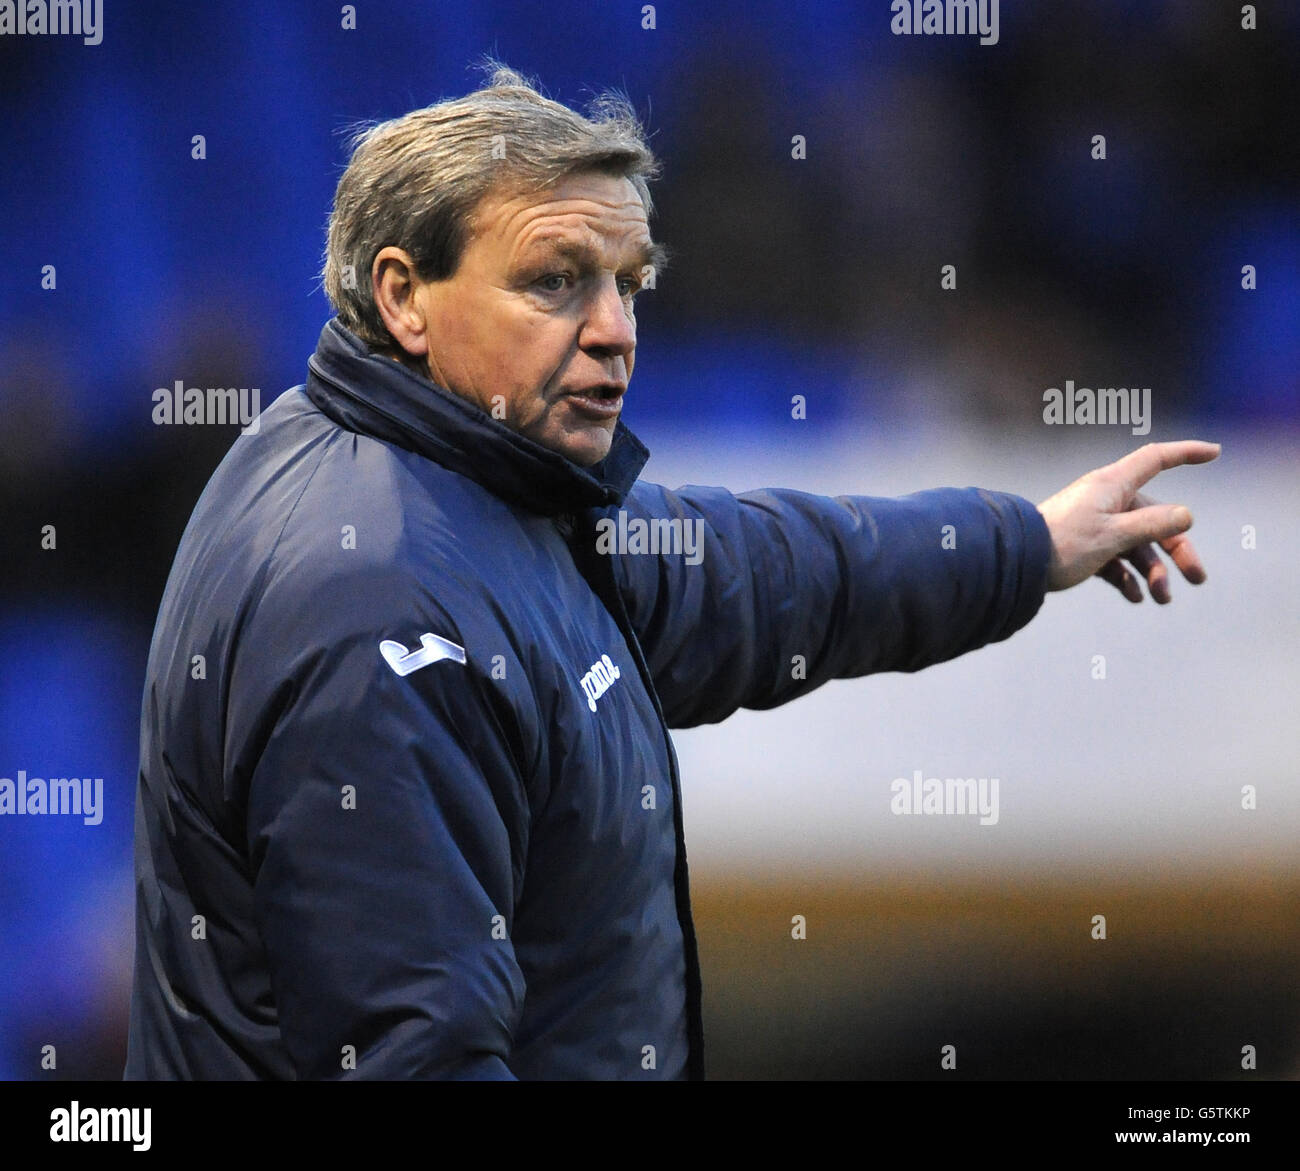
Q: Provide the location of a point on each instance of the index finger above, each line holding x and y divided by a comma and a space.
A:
1139, 466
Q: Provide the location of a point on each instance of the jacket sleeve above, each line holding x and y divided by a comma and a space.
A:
386, 833
792, 590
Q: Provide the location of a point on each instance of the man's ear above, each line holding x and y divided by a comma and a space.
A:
393, 281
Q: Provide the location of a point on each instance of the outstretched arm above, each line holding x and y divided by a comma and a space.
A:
788, 590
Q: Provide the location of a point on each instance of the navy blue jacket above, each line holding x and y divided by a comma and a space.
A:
412, 862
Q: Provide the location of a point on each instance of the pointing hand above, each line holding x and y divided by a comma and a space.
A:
1102, 520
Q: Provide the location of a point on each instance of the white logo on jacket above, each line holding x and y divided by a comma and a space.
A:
599, 679
433, 648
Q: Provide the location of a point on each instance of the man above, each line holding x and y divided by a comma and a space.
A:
408, 805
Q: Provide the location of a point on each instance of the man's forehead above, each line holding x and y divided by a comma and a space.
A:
588, 213
578, 241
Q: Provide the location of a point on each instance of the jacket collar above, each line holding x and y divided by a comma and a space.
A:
376, 396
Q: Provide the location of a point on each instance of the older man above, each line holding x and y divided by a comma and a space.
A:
408, 804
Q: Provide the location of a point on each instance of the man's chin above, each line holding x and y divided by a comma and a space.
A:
584, 446
589, 451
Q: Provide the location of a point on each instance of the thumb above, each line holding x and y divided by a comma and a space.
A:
1158, 522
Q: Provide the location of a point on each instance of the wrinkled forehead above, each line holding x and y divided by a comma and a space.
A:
589, 213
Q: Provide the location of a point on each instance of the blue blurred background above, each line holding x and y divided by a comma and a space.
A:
815, 276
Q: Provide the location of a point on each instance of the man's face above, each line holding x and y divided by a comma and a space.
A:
536, 325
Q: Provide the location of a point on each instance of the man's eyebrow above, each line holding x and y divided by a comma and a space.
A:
654, 255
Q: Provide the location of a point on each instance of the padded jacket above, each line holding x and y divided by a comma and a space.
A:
408, 805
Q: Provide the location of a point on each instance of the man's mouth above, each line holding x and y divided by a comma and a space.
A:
601, 401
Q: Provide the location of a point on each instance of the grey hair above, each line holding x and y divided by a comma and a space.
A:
415, 181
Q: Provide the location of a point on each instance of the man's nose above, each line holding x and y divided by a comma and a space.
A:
608, 325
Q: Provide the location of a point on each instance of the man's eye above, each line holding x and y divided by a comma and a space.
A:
547, 282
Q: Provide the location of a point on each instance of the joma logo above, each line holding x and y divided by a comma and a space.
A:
599, 679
